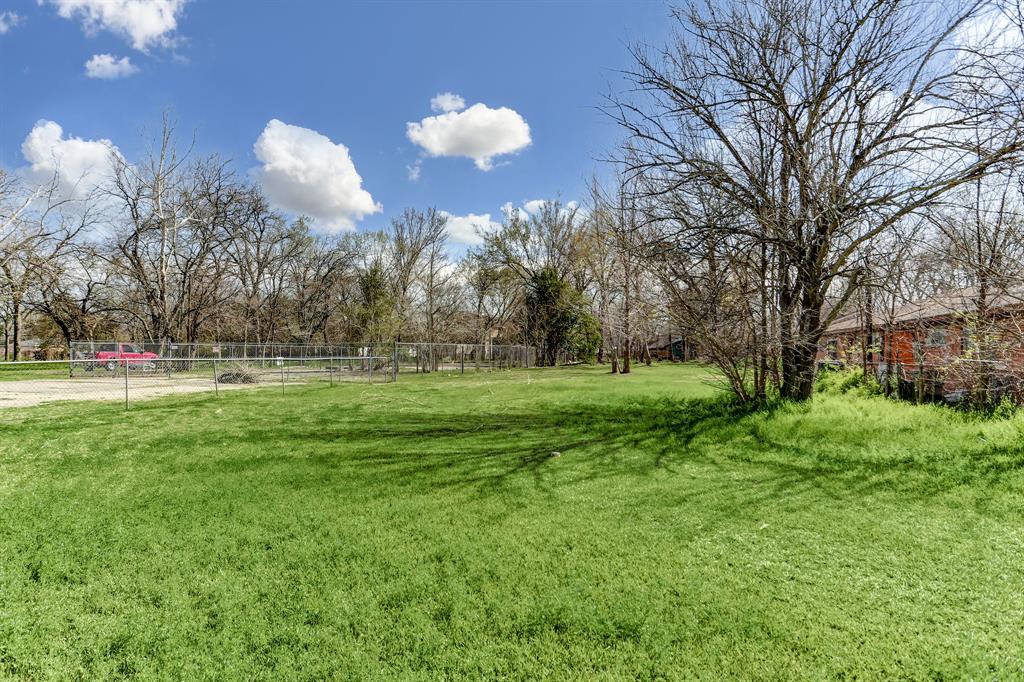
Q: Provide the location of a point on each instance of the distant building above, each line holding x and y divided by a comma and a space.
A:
672, 347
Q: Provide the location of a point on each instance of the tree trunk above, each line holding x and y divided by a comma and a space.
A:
798, 371
799, 354
16, 326
626, 312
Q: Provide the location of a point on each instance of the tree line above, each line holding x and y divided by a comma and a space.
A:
182, 249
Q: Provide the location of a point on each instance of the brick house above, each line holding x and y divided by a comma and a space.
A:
932, 346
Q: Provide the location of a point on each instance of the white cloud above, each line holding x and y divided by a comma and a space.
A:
534, 206
79, 165
9, 20
469, 229
447, 101
304, 172
143, 23
414, 170
509, 210
479, 133
108, 66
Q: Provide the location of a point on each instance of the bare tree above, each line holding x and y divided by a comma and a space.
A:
71, 292
826, 123
37, 225
258, 244
411, 237
154, 219
494, 295
978, 245
441, 291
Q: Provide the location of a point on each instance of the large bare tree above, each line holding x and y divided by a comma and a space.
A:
826, 123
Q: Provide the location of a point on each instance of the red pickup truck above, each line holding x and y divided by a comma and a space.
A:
124, 354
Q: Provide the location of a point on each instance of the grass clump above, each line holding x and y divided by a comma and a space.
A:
847, 380
423, 530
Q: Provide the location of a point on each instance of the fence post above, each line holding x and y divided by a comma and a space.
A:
462, 359
330, 369
370, 369
126, 385
282, 375
394, 365
216, 379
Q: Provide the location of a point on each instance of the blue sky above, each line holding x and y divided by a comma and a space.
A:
354, 73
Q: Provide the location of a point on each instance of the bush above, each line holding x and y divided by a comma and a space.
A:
238, 374
846, 381
1005, 408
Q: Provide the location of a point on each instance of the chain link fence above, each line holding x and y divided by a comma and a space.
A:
87, 350
129, 371
128, 379
461, 357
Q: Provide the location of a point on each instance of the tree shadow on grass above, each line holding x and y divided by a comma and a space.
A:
494, 452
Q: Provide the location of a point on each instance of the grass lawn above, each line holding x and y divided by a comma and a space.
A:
423, 530
35, 370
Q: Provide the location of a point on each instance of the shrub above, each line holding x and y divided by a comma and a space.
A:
847, 381
238, 374
1005, 408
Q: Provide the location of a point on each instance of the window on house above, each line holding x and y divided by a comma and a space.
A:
936, 337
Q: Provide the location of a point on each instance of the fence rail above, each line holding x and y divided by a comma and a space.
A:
228, 350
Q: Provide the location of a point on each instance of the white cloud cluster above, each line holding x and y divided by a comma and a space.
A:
79, 165
535, 206
9, 20
305, 172
508, 209
143, 23
447, 101
469, 229
479, 132
109, 67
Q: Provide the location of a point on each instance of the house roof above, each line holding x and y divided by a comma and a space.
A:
663, 341
937, 306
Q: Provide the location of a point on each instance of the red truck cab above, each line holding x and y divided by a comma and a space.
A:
123, 354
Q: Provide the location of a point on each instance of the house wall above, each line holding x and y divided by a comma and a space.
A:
939, 344
937, 348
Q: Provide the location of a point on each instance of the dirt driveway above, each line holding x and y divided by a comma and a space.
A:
29, 392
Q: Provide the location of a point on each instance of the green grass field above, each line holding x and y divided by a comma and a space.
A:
34, 370
423, 530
